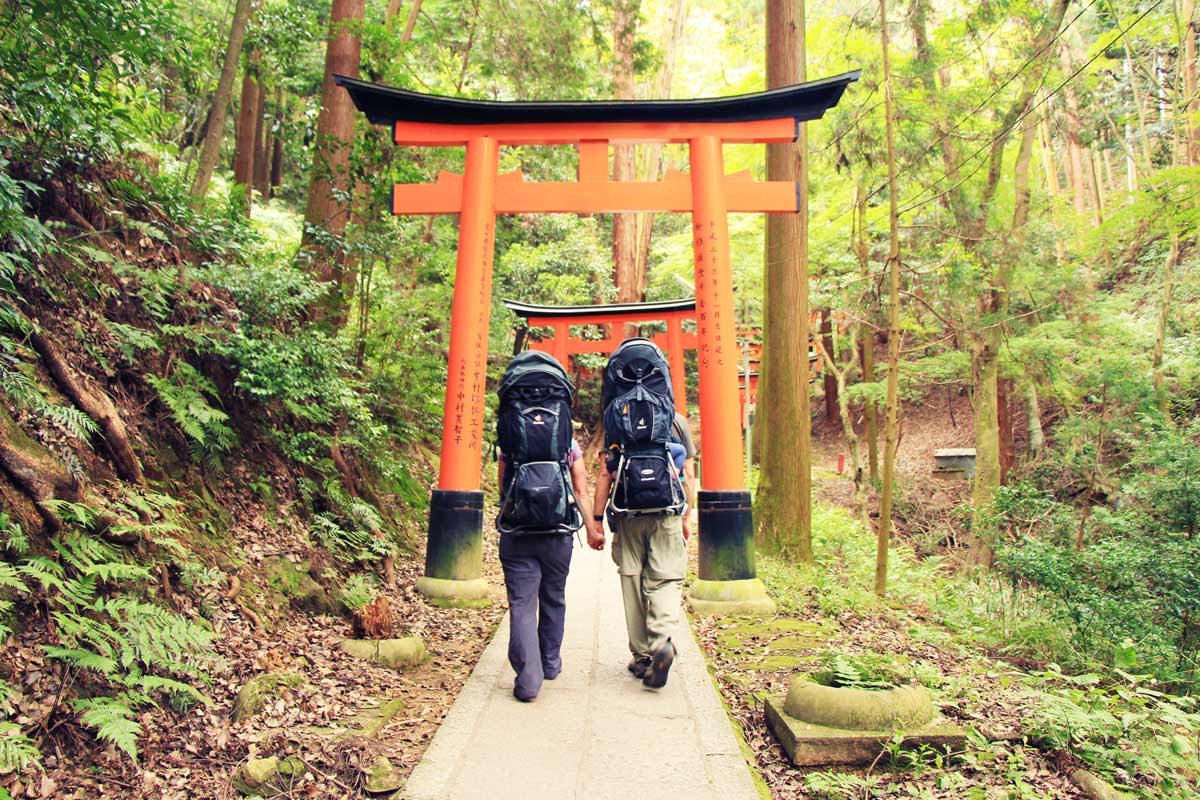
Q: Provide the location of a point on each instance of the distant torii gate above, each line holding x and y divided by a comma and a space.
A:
454, 557
562, 345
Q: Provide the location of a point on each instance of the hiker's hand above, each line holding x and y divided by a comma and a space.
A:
595, 536
687, 527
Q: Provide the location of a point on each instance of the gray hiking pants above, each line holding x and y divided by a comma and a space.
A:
535, 578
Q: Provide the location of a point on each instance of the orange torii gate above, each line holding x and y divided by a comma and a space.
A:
454, 556
562, 345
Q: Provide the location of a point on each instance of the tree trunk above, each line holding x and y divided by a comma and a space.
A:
985, 370
985, 365
783, 512
328, 206
853, 443
1191, 30
210, 151
1004, 417
625, 278
262, 147
247, 131
277, 142
830, 381
1033, 420
1171, 262
866, 335
1052, 184
891, 428
1075, 172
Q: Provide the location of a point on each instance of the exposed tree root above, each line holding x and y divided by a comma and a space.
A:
96, 404
34, 471
235, 586
64, 207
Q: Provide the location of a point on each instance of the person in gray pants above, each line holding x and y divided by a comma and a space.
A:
535, 578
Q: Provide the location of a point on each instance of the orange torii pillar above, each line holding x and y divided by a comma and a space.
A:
453, 561
562, 346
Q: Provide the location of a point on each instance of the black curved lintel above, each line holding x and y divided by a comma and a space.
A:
385, 105
527, 310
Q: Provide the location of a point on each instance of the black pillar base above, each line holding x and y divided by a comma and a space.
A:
454, 551
728, 581
726, 536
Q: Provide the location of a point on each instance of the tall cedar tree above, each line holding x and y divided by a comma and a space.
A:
783, 507
247, 129
328, 207
630, 286
210, 150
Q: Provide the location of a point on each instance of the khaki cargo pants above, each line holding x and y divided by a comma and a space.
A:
651, 558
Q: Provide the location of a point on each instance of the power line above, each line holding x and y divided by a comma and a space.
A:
1004, 131
1020, 70
918, 203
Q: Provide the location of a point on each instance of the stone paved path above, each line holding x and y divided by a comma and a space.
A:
595, 733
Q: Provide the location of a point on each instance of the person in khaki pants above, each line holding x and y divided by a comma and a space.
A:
651, 557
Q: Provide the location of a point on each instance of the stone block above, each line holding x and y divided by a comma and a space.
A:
394, 653
725, 598
809, 745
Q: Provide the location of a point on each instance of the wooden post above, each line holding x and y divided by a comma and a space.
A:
675, 358
454, 557
728, 581
721, 444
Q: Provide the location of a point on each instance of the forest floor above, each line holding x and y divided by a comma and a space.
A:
751, 659
195, 753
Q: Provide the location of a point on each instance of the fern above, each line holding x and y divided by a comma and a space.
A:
848, 674
26, 393
14, 537
113, 721
82, 659
17, 750
184, 394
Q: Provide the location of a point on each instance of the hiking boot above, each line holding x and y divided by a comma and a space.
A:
660, 665
638, 666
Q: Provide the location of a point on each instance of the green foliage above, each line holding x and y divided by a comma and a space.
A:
1127, 730
854, 673
358, 590
127, 650
351, 539
186, 393
23, 236
841, 578
77, 80
1135, 576
840, 785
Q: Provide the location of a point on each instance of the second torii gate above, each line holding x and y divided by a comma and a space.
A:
562, 345
454, 556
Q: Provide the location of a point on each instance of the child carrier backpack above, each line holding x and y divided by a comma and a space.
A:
533, 431
639, 407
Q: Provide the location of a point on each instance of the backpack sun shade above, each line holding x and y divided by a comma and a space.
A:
533, 431
639, 408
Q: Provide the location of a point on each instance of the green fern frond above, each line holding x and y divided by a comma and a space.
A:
113, 721
116, 572
156, 683
10, 578
17, 751
46, 572
83, 659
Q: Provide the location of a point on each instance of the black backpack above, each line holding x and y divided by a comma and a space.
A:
639, 409
533, 431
